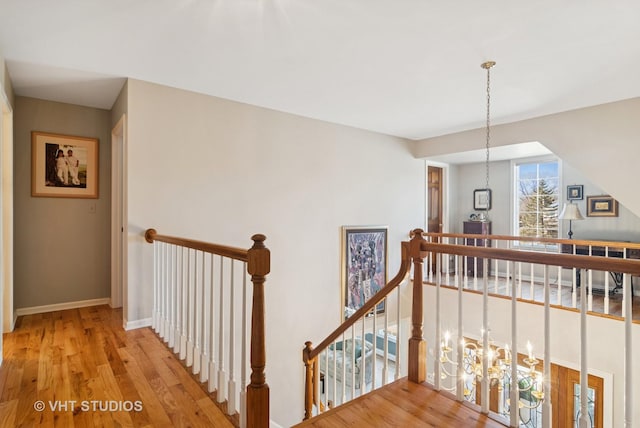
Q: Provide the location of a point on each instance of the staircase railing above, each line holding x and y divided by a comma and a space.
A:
200, 298
450, 285
454, 352
349, 357
603, 288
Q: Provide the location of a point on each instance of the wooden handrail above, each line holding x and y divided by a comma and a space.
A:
554, 241
411, 252
222, 250
405, 265
258, 259
610, 264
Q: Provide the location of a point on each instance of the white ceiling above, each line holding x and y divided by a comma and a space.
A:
409, 68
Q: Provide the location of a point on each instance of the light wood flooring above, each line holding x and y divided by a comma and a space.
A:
566, 299
402, 404
84, 360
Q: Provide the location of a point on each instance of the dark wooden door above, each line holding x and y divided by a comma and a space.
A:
434, 203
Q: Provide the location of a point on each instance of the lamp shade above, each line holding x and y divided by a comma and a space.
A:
570, 212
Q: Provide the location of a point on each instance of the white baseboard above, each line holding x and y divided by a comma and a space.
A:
61, 306
273, 424
132, 325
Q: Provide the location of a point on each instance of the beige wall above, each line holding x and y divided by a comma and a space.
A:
601, 142
61, 249
220, 171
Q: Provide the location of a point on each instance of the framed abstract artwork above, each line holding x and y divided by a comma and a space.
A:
363, 266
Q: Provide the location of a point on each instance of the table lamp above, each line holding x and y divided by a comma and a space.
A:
570, 212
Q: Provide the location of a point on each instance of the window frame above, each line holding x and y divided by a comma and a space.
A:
514, 200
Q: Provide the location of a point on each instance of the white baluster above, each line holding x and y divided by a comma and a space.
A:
154, 313
628, 351
222, 374
362, 379
606, 285
514, 394
484, 401
213, 364
374, 334
398, 335
197, 288
436, 360
583, 421
353, 360
167, 295
460, 367
520, 280
546, 404
178, 286
190, 310
559, 295
204, 341
184, 286
495, 275
172, 289
385, 366
231, 402
243, 352
532, 292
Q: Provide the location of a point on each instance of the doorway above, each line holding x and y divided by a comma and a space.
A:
434, 203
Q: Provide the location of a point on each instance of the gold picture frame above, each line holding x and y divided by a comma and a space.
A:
63, 166
602, 206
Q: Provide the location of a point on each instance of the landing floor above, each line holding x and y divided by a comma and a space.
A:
402, 404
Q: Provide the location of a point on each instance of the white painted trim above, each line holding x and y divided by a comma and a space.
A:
132, 325
273, 424
118, 216
62, 306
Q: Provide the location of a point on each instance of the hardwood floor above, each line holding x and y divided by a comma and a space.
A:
598, 300
402, 404
86, 371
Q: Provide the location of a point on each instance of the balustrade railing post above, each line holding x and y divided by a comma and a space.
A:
258, 390
417, 368
308, 386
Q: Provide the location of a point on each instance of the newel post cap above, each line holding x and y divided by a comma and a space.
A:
259, 256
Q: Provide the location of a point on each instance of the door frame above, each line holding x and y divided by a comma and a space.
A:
445, 193
7, 316
119, 285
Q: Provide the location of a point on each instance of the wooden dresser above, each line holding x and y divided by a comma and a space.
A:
476, 228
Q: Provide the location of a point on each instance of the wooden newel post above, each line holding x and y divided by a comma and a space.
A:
258, 390
309, 386
417, 346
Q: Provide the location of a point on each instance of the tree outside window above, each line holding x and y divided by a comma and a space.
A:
537, 193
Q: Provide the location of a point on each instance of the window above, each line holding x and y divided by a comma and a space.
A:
537, 196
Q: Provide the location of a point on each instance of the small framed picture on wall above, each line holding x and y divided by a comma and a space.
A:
482, 199
574, 192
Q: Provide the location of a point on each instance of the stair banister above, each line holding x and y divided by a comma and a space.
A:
310, 354
168, 284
